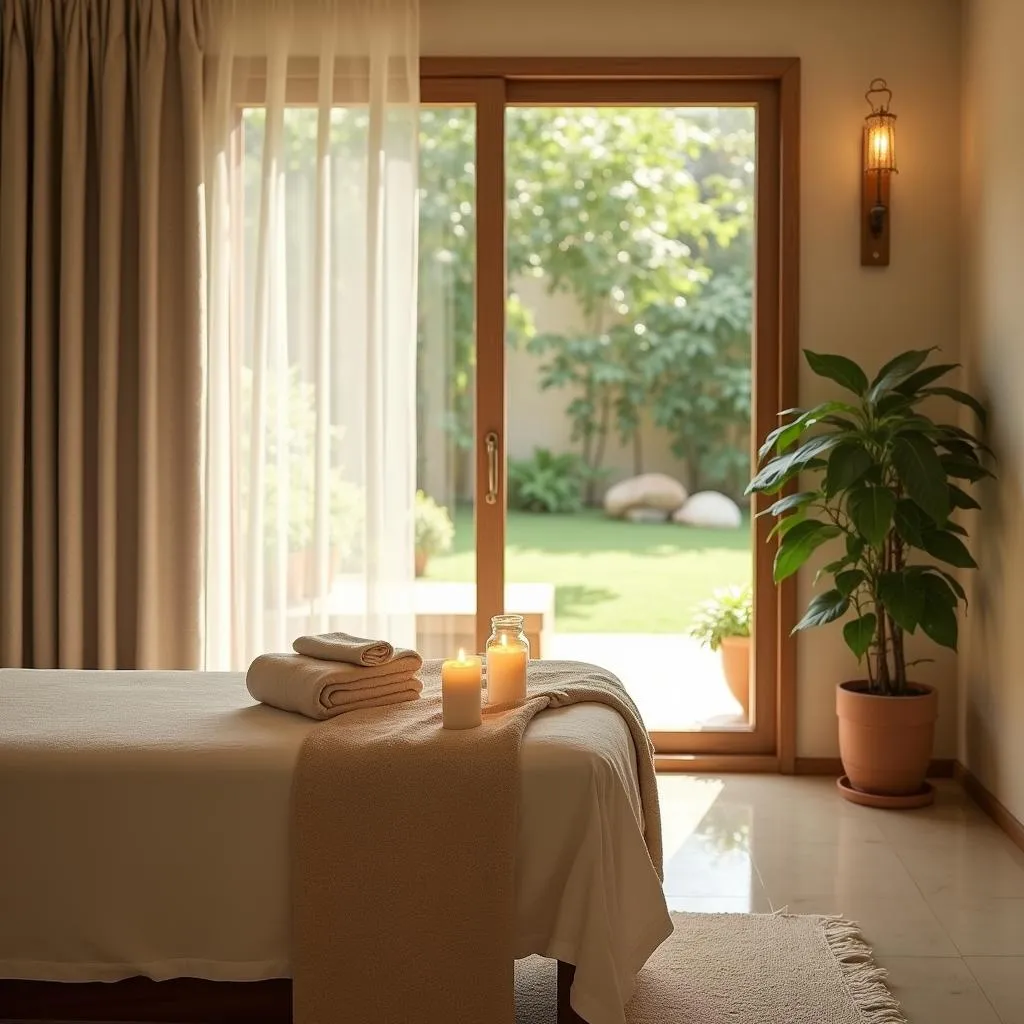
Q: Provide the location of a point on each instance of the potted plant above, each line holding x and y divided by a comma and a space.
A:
434, 531
887, 479
723, 624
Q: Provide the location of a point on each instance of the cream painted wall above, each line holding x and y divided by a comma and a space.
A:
868, 314
991, 740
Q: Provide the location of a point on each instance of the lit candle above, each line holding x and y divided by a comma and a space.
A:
460, 692
506, 673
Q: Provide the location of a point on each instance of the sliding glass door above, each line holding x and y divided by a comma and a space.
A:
598, 347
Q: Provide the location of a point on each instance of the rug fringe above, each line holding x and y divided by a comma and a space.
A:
864, 978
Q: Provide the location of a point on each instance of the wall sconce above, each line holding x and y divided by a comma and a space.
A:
879, 167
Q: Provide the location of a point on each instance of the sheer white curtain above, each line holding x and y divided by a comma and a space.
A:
312, 120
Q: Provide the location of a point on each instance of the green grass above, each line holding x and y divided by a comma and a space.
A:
610, 576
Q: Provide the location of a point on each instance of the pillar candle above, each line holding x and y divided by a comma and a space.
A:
506, 674
460, 692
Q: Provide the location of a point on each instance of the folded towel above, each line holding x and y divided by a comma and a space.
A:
355, 650
323, 689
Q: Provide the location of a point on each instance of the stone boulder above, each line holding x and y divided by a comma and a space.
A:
648, 491
642, 514
709, 508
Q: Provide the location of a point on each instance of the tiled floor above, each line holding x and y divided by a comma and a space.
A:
938, 892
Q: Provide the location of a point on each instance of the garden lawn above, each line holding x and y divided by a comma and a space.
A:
610, 576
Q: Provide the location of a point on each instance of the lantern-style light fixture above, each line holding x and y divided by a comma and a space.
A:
879, 166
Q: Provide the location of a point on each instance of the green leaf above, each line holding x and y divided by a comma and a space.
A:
847, 582
960, 498
843, 371
922, 475
909, 521
871, 509
924, 377
824, 608
787, 523
963, 469
934, 584
897, 370
784, 435
854, 547
789, 502
938, 618
848, 462
954, 584
859, 633
837, 566
799, 544
947, 547
963, 398
775, 474
902, 599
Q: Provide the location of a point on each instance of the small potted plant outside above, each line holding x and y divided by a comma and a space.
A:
434, 531
723, 624
887, 481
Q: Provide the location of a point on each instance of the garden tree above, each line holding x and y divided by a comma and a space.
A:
645, 217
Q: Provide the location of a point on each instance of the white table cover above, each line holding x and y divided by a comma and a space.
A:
144, 820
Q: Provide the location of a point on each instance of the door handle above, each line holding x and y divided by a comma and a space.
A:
491, 442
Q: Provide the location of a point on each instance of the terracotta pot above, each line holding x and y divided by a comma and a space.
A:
886, 742
421, 562
735, 651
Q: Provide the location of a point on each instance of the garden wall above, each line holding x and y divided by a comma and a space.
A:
537, 419
868, 314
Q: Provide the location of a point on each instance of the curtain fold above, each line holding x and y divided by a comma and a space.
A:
311, 207
101, 332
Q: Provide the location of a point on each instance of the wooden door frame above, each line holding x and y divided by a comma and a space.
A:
773, 84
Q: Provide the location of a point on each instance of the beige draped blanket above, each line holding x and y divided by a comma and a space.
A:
403, 854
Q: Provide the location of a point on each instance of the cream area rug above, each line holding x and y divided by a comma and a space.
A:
742, 969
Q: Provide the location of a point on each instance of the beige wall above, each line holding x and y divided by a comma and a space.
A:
991, 740
869, 314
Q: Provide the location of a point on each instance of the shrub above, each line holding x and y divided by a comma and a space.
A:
547, 482
434, 528
727, 613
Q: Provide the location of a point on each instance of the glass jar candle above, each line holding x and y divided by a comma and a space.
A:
507, 652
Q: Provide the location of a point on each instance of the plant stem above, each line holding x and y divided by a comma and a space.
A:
898, 657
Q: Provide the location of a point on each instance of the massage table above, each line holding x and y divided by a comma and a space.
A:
145, 825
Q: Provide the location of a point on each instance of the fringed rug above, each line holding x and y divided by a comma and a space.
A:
742, 969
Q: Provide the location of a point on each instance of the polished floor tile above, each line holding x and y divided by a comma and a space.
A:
938, 892
894, 926
938, 990
982, 926
1002, 980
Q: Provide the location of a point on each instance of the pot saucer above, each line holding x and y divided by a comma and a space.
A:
923, 798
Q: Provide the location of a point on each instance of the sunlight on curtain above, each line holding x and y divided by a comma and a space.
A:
311, 370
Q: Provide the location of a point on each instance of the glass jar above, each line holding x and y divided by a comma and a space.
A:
507, 652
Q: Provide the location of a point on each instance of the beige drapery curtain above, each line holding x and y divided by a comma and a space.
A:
101, 332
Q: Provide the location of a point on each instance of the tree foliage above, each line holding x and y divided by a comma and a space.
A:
644, 216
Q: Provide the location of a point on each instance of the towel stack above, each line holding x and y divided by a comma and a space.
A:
334, 673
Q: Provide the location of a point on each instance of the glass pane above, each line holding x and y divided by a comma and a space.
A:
630, 255
446, 364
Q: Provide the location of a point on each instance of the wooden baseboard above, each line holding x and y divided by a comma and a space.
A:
984, 798
716, 764
941, 768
